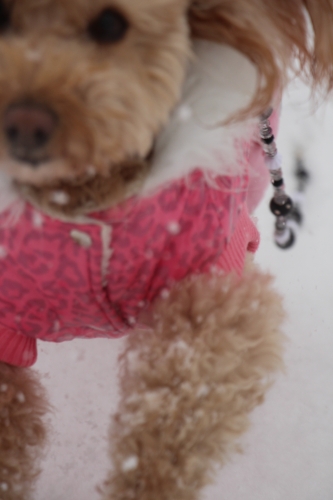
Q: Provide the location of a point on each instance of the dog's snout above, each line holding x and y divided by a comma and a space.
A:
28, 129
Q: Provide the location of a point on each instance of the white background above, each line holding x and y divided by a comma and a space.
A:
288, 452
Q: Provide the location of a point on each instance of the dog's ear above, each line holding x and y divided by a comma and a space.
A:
275, 36
321, 16
306, 28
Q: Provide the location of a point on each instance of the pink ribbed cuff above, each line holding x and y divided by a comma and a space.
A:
17, 349
245, 239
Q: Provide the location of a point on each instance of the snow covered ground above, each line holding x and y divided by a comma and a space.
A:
288, 453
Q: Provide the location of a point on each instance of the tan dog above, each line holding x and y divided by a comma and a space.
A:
86, 93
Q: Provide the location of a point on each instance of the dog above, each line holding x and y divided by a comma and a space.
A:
130, 164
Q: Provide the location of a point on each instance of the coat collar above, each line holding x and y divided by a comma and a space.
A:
220, 83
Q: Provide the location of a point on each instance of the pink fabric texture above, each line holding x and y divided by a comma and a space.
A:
61, 280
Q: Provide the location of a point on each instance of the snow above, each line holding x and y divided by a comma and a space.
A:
288, 452
184, 113
3, 486
20, 397
131, 320
174, 228
130, 463
3, 252
60, 197
37, 219
203, 391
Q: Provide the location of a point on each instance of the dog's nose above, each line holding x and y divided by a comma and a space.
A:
28, 128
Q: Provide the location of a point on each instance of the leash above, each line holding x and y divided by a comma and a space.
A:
287, 211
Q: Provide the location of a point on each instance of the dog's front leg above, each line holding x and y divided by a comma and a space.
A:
22, 431
189, 383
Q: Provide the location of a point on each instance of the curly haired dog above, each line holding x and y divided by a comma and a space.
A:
130, 164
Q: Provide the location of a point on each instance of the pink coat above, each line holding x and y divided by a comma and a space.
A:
61, 280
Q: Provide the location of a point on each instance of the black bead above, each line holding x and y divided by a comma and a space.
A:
281, 209
289, 243
278, 184
268, 140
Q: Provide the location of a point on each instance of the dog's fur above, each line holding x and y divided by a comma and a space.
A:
188, 384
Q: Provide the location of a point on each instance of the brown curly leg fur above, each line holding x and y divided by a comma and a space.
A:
22, 431
189, 385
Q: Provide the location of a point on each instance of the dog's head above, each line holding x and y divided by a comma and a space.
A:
85, 86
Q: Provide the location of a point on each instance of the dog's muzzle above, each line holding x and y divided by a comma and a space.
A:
28, 129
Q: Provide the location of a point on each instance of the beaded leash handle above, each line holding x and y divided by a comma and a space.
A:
281, 204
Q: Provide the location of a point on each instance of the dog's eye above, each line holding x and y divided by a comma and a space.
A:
109, 27
4, 17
